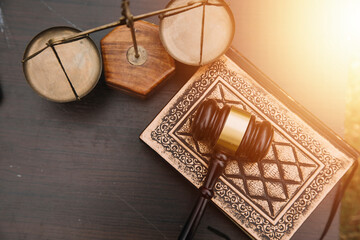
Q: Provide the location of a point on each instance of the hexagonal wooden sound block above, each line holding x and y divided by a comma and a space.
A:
121, 74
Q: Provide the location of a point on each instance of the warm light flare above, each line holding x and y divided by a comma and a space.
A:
305, 46
349, 23
352, 19
339, 22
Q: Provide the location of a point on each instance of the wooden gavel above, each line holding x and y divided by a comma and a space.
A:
232, 133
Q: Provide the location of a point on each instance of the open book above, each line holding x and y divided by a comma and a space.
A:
269, 199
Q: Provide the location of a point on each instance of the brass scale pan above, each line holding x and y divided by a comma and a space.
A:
63, 64
46, 72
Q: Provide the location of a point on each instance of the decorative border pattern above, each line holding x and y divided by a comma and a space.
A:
237, 207
240, 176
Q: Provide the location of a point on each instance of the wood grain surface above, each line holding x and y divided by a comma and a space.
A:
78, 170
136, 79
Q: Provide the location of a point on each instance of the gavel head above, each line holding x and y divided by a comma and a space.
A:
232, 131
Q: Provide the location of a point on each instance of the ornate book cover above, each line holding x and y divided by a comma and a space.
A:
269, 199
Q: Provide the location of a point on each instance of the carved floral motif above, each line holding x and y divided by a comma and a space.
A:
231, 202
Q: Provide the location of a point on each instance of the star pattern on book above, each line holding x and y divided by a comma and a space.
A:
273, 179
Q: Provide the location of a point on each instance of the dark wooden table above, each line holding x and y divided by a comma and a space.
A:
78, 170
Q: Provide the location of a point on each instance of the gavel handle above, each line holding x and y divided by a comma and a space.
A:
193, 221
217, 165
